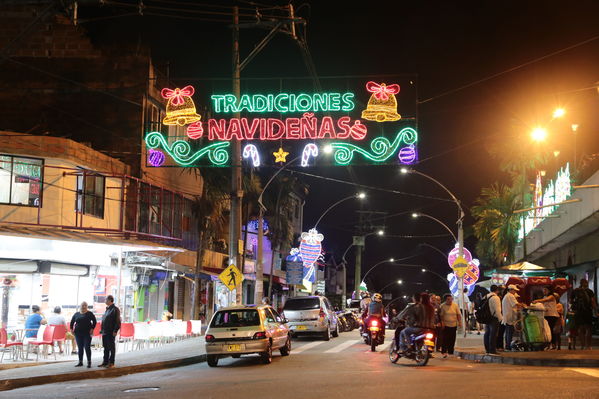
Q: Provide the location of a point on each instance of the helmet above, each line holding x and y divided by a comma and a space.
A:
365, 294
377, 297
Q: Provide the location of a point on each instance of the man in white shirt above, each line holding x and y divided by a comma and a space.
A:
509, 306
492, 328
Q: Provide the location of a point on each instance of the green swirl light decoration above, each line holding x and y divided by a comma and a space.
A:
180, 151
382, 148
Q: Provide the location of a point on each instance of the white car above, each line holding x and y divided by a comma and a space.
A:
311, 315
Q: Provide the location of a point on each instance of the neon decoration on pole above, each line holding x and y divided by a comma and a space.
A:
284, 102
280, 155
453, 254
156, 157
382, 106
180, 109
180, 150
250, 151
310, 150
195, 130
407, 155
310, 251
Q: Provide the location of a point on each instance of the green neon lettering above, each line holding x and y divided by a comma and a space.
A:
277, 102
260, 103
229, 105
303, 103
334, 101
244, 103
292, 103
348, 101
271, 102
321, 101
284, 102
217, 101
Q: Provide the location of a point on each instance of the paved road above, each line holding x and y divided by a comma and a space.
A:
341, 368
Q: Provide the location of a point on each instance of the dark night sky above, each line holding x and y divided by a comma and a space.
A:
448, 45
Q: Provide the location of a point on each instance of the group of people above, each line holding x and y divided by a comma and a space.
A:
82, 326
504, 307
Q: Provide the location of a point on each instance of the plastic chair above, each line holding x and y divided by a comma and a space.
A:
188, 332
196, 327
141, 335
127, 333
47, 340
181, 329
156, 333
5, 344
60, 335
96, 336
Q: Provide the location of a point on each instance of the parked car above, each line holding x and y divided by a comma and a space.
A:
242, 330
311, 315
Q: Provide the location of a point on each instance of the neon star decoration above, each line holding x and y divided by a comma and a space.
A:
382, 105
180, 109
181, 151
280, 156
310, 150
250, 151
381, 149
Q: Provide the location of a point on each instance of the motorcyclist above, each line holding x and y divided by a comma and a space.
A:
408, 315
424, 319
365, 301
375, 310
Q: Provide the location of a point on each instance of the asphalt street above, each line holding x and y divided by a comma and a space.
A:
341, 368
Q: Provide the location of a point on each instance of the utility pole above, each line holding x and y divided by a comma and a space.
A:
236, 188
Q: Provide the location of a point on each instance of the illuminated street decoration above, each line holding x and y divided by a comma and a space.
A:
180, 109
472, 272
253, 225
382, 105
156, 158
454, 286
250, 151
310, 250
181, 151
407, 155
556, 191
453, 254
280, 156
195, 130
284, 102
381, 149
310, 150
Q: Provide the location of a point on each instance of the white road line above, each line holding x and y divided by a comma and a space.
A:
383, 347
306, 346
588, 371
343, 346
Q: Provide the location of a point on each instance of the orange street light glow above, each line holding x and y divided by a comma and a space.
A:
539, 134
559, 112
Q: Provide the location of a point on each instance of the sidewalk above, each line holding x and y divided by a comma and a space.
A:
180, 353
472, 348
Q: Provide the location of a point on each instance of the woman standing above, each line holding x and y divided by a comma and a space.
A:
551, 314
84, 322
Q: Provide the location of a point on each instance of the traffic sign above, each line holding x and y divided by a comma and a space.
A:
231, 277
460, 265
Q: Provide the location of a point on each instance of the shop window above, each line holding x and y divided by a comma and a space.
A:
90, 195
20, 180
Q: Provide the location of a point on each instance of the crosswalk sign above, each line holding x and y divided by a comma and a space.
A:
459, 267
231, 277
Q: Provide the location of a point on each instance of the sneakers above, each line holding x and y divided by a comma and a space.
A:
103, 365
79, 365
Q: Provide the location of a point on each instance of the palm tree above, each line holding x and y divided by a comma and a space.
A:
497, 225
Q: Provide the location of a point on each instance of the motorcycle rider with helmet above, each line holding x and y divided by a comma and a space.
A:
375, 310
423, 314
365, 301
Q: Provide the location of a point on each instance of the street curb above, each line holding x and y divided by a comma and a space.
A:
522, 361
6, 385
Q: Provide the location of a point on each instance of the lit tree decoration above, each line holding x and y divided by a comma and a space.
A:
280, 156
250, 151
156, 157
382, 105
180, 109
310, 250
310, 150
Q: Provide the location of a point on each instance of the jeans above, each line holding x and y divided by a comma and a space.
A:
405, 335
84, 342
490, 338
109, 348
500, 333
552, 321
509, 334
449, 334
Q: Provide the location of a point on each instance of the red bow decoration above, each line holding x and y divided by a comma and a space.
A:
176, 96
380, 91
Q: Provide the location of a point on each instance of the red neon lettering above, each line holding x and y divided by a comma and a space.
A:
327, 128
293, 128
343, 124
234, 130
271, 135
308, 126
250, 131
217, 129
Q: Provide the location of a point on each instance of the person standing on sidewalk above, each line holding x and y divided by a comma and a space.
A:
111, 323
509, 307
451, 319
84, 323
492, 328
551, 314
583, 304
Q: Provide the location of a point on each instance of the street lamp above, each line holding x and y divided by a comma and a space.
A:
360, 196
416, 215
398, 282
558, 112
538, 134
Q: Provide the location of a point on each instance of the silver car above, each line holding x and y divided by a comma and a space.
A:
311, 315
242, 330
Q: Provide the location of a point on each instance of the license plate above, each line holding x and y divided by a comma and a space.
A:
301, 327
429, 343
233, 348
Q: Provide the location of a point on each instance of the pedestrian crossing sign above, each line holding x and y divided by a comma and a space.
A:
459, 267
231, 277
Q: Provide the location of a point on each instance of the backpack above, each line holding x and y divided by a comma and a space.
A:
482, 311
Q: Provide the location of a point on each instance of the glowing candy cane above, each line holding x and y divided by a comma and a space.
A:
250, 150
309, 150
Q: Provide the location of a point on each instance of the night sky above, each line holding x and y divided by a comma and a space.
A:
448, 46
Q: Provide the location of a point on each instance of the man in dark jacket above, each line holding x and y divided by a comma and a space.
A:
111, 323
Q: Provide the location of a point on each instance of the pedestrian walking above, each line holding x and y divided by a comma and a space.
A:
509, 308
501, 291
436, 302
451, 319
559, 326
492, 327
584, 303
551, 314
82, 324
111, 323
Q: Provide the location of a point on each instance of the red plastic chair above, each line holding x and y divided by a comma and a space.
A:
47, 340
126, 333
6, 344
60, 335
189, 333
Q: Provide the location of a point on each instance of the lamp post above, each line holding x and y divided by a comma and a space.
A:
416, 215
357, 196
398, 282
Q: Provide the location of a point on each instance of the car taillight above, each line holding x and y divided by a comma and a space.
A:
260, 335
429, 336
322, 313
374, 323
209, 338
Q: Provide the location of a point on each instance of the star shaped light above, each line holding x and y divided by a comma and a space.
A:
280, 156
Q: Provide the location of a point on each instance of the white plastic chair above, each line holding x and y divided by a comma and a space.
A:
156, 333
141, 335
196, 327
169, 331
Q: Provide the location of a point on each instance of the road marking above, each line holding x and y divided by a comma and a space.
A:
307, 346
590, 372
342, 346
384, 347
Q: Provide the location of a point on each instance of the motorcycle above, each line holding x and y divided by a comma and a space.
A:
373, 332
419, 349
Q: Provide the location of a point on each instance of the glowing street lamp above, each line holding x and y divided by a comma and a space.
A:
559, 112
539, 134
